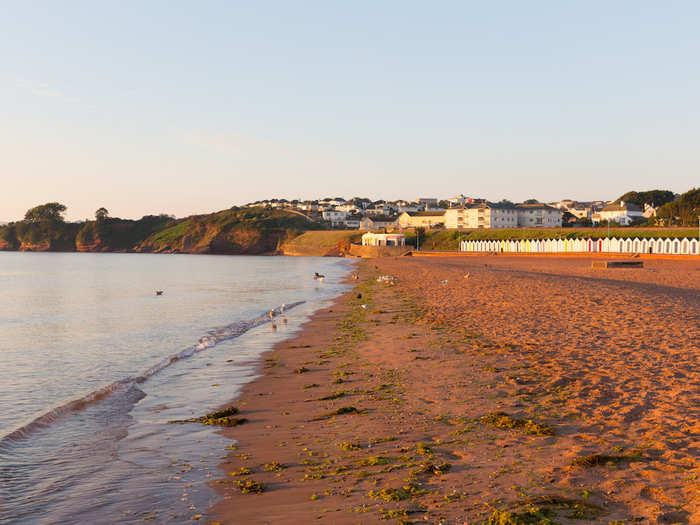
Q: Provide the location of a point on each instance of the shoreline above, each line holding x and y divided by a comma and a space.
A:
477, 398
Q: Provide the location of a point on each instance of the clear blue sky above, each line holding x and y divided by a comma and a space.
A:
190, 107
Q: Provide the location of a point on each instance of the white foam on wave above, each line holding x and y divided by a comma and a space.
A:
213, 337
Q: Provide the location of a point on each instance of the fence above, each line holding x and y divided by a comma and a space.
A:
645, 245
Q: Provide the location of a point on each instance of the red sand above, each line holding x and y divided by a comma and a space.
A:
607, 358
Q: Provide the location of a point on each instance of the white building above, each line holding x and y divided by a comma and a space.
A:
460, 200
335, 217
383, 239
623, 213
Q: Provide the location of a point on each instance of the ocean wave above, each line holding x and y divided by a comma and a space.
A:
123, 386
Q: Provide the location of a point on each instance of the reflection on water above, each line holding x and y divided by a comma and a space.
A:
75, 323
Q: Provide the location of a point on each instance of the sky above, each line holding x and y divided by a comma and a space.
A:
184, 107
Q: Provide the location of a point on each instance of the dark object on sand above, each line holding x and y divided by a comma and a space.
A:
359, 296
617, 264
318, 276
159, 292
222, 418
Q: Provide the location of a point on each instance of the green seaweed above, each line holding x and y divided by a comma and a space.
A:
504, 421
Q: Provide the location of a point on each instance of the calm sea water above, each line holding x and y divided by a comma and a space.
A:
88, 382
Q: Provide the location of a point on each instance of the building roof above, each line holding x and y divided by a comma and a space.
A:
492, 205
622, 206
373, 234
426, 213
381, 218
537, 206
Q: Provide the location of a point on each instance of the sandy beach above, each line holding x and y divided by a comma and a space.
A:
521, 390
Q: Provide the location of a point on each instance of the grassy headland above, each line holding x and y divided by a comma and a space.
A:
232, 231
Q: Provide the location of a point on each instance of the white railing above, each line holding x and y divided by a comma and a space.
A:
670, 246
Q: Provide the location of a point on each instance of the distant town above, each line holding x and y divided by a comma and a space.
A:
463, 212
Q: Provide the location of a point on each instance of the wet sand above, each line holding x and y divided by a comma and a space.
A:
537, 387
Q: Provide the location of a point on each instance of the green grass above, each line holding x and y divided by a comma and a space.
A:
325, 238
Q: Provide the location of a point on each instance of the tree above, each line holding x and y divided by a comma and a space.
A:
655, 197
682, 212
531, 201
49, 212
420, 236
444, 204
101, 214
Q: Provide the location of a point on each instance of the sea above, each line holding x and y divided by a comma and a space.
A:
95, 367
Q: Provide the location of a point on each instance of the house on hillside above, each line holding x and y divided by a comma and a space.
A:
403, 206
379, 208
580, 211
425, 203
353, 221
378, 222
422, 219
335, 217
623, 213
460, 200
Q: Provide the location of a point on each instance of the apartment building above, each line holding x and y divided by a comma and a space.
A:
482, 215
538, 216
502, 215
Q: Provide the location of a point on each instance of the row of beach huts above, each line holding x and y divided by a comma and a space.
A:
668, 246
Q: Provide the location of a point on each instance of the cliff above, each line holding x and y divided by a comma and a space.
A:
238, 231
